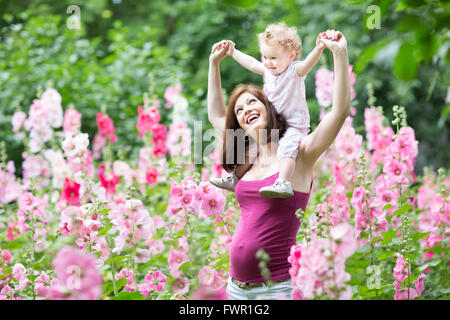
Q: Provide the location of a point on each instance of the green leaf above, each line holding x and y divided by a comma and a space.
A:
104, 230
402, 210
420, 235
387, 236
375, 240
3, 276
124, 295
368, 53
116, 259
405, 65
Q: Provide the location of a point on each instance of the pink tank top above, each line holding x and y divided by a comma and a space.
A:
268, 223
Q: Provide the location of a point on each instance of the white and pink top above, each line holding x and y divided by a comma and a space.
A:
286, 92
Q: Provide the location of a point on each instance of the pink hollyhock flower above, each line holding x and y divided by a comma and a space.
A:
71, 192
77, 276
159, 131
181, 286
357, 200
72, 121
176, 259
129, 276
156, 246
213, 204
402, 269
395, 172
187, 201
297, 294
158, 221
419, 284
142, 255
5, 256
132, 221
108, 179
176, 191
179, 139
97, 145
345, 241
151, 176
206, 276
153, 282
42, 284
324, 85
208, 293
106, 127
171, 94
20, 274
402, 293
159, 151
51, 100
18, 120
146, 119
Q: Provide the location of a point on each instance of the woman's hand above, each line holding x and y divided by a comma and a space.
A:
219, 51
334, 40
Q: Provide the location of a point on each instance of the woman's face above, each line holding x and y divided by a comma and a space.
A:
250, 113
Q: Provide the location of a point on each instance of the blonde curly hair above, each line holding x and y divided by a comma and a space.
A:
282, 34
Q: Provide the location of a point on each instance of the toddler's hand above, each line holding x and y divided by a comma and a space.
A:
333, 40
319, 43
219, 51
226, 43
231, 47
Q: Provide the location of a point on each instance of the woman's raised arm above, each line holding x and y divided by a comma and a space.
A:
323, 136
216, 103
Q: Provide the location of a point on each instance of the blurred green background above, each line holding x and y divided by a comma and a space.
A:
108, 61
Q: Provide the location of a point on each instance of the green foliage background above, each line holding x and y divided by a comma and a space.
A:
108, 61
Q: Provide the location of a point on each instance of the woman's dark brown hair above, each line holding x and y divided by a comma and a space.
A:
231, 137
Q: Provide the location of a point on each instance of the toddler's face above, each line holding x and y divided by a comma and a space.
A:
276, 58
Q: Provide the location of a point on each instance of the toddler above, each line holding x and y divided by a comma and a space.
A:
284, 85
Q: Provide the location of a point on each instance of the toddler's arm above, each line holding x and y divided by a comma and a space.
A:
248, 62
305, 66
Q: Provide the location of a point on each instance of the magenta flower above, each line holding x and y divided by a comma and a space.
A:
106, 127
147, 119
151, 176
71, 192
108, 178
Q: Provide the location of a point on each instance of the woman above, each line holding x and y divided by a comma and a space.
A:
269, 223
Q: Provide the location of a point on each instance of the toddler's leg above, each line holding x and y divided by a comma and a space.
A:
229, 182
287, 167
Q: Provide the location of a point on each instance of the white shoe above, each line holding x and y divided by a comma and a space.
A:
227, 183
279, 189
